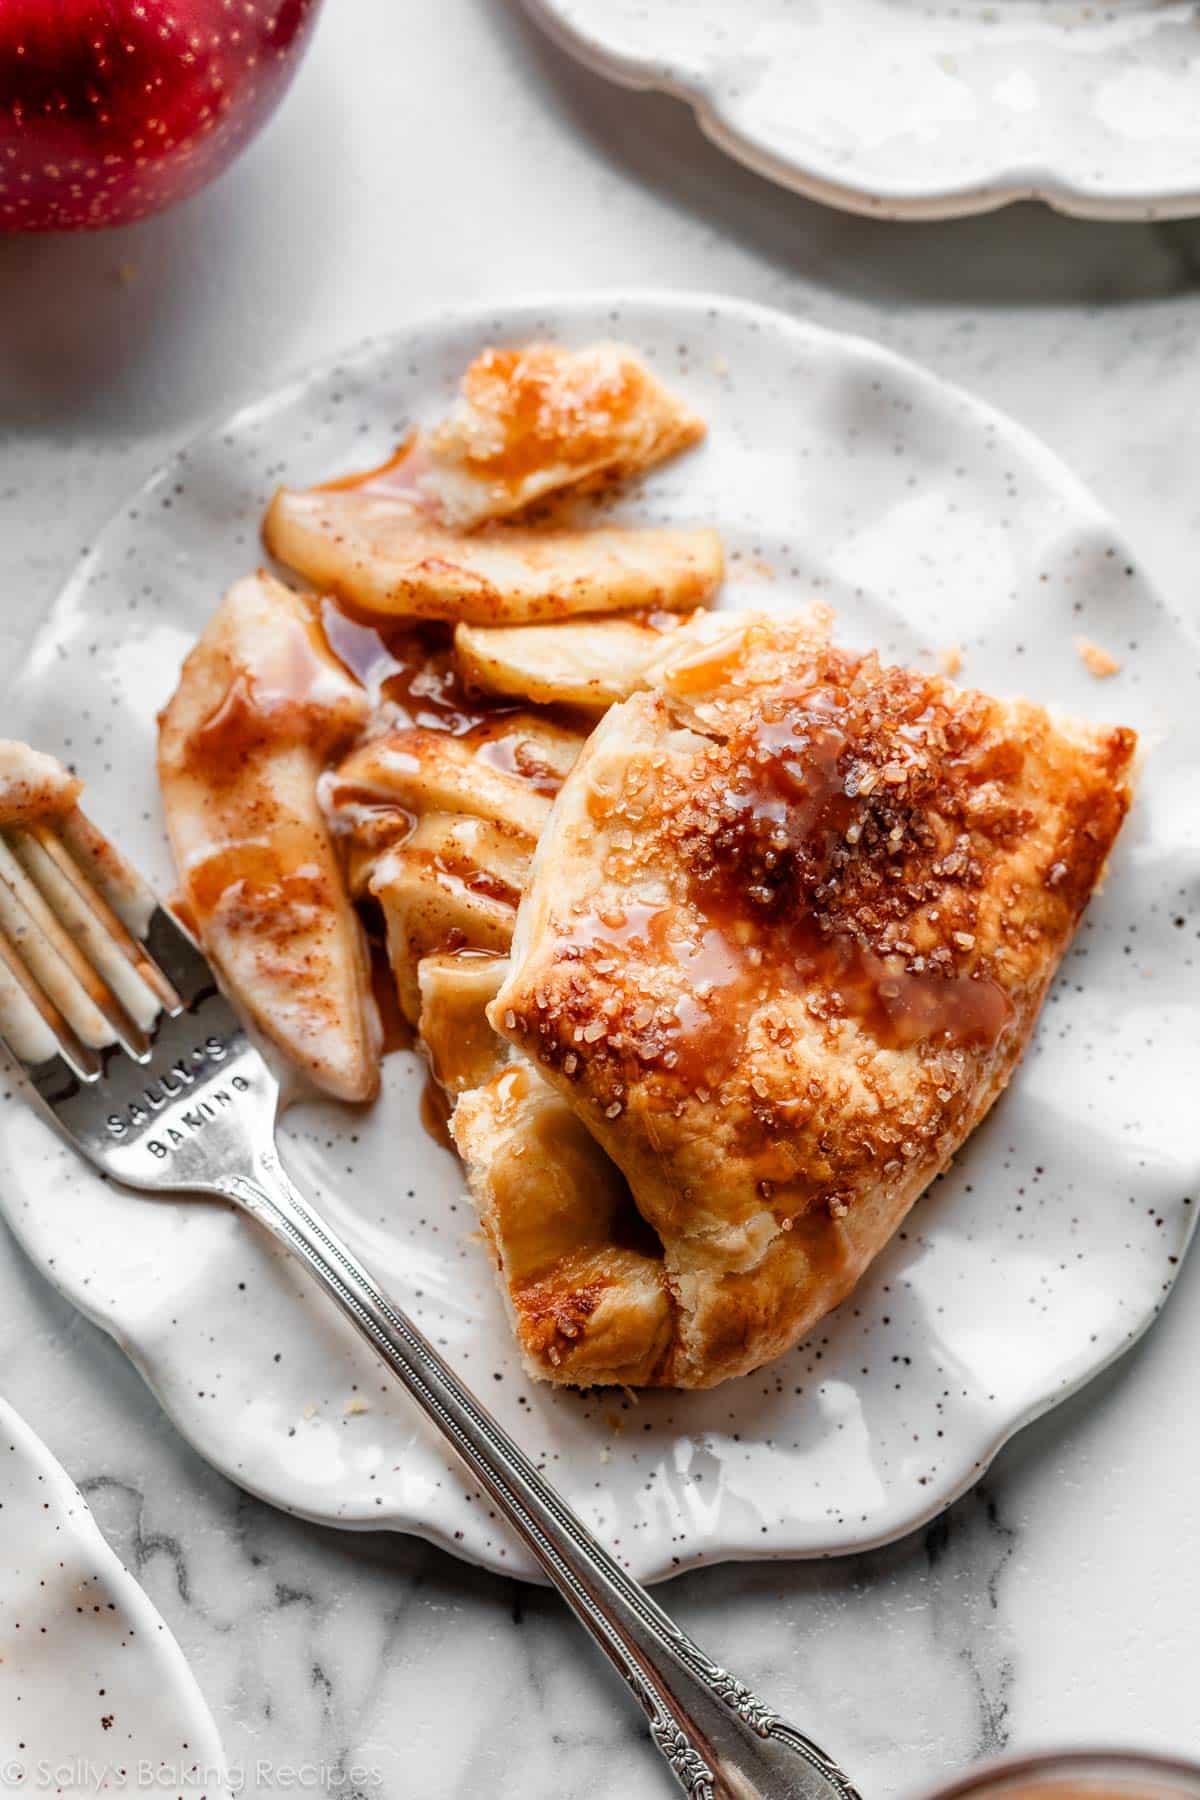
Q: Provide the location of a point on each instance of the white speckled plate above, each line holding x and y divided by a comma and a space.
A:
95, 1696
922, 109
927, 520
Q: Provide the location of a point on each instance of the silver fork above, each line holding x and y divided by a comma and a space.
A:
118, 1022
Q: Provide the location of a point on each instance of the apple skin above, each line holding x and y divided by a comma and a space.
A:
113, 109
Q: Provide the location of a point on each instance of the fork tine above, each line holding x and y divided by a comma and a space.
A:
55, 965
72, 891
34, 1030
89, 959
170, 950
174, 952
108, 873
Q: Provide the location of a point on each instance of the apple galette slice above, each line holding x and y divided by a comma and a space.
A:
786, 936
261, 706
405, 539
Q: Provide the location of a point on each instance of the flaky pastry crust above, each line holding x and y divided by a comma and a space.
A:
786, 936
533, 420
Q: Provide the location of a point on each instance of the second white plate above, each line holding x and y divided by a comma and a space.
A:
95, 1695
902, 109
927, 520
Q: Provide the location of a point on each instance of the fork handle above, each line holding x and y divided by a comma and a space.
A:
720, 1742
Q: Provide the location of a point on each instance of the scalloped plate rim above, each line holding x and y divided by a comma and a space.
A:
1006, 187
562, 307
411, 1524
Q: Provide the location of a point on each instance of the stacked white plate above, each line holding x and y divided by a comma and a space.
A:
95, 1696
914, 109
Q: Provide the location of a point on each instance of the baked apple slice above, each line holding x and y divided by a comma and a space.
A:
441, 829
33, 786
405, 539
392, 561
589, 663
260, 708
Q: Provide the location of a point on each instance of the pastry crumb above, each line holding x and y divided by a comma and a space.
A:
720, 364
310, 1411
950, 660
757, 568
356, 1404
1096, 661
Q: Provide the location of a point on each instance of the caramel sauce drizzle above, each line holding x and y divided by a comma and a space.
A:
398, 477
542, 415
408, 671
435, 1110
758, 917
398, 1034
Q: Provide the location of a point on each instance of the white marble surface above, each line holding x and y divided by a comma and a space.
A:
430, 155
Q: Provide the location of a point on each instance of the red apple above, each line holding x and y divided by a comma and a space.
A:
111, 109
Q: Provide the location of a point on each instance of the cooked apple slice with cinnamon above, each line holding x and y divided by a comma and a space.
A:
403, 539
591, 663
579, 662
456, 987
377, 550
490, 773
441, 831
261, 705
429, 903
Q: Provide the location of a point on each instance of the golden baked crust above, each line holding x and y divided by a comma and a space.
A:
786, 936
582, 1276
533, 420
261, 704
